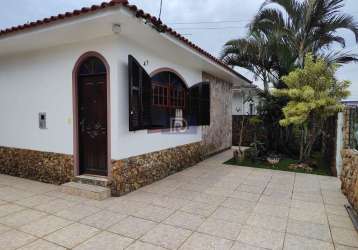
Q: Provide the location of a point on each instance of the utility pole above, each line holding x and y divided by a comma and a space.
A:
160, 9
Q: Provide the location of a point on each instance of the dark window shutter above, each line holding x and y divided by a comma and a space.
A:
186, 111
140, 96
146, 100
193, 105
199, 104
205, 103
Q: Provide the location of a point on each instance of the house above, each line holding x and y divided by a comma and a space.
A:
245, 100
350, 103
346, 136
109, 91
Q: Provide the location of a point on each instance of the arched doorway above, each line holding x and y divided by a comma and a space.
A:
91, 116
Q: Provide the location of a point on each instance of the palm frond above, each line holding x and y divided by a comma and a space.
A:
284, 31
339, 57
268, 20
341, 21
292, 7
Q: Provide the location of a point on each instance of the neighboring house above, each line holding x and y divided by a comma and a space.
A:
109, 91
350, 103
347, 132
245, 100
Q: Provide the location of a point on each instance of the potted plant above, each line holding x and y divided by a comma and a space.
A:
273, 159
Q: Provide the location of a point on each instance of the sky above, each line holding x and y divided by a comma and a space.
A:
208, 23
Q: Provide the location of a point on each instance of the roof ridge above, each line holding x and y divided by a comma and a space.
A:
137, 12
61, 16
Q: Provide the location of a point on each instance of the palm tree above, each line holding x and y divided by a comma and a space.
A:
308, 26
251, 53
263, 55
284, 31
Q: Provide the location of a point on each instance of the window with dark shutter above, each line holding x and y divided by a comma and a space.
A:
199, 104
194, 104
169, 94
155, 102
140, 96
205, 104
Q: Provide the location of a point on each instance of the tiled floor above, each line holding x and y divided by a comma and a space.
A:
209, 206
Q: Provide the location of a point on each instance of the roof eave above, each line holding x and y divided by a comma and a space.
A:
138, 13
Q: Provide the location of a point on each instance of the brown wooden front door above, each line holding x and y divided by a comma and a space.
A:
92, 124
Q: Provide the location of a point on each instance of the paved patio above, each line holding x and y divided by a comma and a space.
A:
209, 206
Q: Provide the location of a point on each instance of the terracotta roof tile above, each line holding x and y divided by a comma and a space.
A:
136, 11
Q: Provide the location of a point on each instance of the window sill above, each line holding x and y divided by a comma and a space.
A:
157, 130
169, 130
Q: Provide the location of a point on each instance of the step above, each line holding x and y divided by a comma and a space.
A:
92, 180
86, 190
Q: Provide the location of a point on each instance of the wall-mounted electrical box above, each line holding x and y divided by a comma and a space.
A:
42, 120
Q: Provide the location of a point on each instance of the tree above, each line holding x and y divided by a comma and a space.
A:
284, 31
280, 35
314, 95
261, 54
308, 26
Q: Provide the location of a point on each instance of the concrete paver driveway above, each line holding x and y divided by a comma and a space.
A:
209, 206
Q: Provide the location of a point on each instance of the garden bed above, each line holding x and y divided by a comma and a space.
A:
283, 165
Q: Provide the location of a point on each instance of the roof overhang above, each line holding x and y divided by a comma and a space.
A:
92, 24
59, 33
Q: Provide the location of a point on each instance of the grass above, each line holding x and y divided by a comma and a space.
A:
283, 165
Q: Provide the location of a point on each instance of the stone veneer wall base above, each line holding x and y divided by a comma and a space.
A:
349, 172
35, 165
127, 174
135, 172
349, 176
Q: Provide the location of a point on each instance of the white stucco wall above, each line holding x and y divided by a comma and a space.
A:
340, 143
41, 81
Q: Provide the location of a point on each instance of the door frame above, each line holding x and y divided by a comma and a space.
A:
76, 157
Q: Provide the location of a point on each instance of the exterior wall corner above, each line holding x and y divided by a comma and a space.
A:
218, 136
